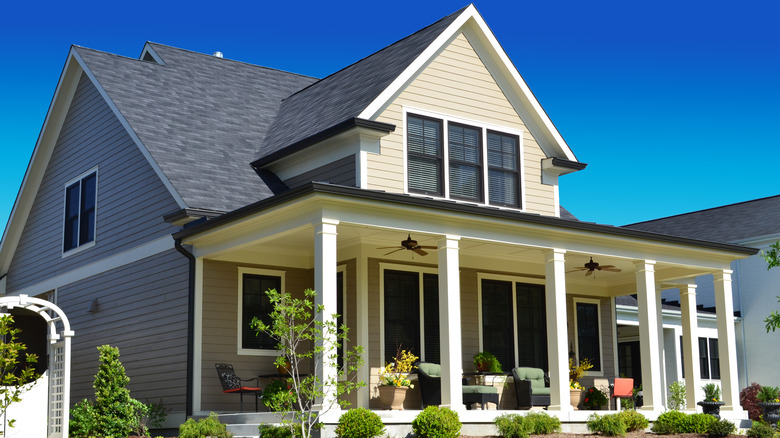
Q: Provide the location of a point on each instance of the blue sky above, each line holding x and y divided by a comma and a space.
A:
675, 105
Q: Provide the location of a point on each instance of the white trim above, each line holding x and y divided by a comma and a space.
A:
239, 318
575, 301
79, 179
483, 127
106, 264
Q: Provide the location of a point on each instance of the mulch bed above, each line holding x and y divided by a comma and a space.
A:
628, 435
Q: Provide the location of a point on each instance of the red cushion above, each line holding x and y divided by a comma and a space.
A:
623, 387
243, 388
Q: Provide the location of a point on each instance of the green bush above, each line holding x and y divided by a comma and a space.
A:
594, 398
512, 426
720, 429
437, 422
697, 423
205, 427
634, 420
609, 425
540, 423
278, 396
360, 423
676, 399
268, 431
669, 422
760, 430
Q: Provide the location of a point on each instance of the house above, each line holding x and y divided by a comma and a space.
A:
167, 193
755, 223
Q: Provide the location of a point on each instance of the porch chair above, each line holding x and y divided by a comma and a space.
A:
429, 378
231, 384
531, 387
622, 388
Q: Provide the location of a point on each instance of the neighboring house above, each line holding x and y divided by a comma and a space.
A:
167, 193
754, 223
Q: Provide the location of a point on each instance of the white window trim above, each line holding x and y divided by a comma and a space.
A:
510, 279
420, 270
256, 271
576, 333
87, 245
344, 344
484, 128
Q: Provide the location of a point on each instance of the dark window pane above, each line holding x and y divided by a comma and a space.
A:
87, 219
704, 362
588, 334
497, 321
714, 359
255, 303
431, 323
465, 157
71, 230
424, 155
531, 326
340, 312
503, 169
682, 357
402, 312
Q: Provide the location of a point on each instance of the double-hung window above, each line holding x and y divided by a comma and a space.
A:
411, 314
254, 302
709, 358
80, 202
462, 161
588, 332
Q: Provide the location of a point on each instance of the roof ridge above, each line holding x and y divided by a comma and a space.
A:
103, 52
701, 211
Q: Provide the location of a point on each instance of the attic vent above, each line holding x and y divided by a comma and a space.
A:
148, 57
217, 54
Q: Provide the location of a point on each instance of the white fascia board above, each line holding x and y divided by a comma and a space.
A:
131, 132
44, 146
628, 315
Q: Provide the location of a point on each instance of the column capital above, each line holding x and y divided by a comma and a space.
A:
327, 226
724, 275
644, 265
554, 255
448, 241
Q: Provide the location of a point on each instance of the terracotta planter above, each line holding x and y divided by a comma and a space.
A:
771, 412
711, 408
575, 396
285, 369
392, 397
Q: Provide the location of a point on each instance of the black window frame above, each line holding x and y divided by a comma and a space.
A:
456, 162
438, 159
586, 339
709, 359
421, 323
80, 213
516, 173
256, 304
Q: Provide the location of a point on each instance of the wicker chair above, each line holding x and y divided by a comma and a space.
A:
531, 387
429, 377
231, 384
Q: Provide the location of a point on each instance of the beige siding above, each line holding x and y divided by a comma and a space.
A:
457, 83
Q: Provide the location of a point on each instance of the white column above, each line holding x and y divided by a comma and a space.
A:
661, 344
727, 346
690, 343
649, 344
557, 334
361, 335
449, 324
325, 259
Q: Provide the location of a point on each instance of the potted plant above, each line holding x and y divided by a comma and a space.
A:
769, 400
278, 396
711, 403
394, 380
283, 365
487, 362
576, 371
594, 399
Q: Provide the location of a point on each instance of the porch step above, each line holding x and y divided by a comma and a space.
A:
245, 425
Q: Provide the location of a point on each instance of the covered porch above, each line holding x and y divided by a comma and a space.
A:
492, 280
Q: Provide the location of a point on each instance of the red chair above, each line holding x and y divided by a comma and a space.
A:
622, 388
231, 384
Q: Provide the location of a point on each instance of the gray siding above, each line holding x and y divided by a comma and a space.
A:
338, 172
142, 310
131, 199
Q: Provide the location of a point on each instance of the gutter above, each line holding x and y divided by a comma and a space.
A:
190, 324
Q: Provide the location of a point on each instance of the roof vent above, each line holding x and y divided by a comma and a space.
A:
217, 54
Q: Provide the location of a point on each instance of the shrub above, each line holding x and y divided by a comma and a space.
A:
768, 394
540, 423
609, 425
359, 423
268, 431
720, 429
437, 422
278, 396
634, 420
697, 423
512, 426
748, 400
760, 430
676, 399
205, 427
594, 398
669, 422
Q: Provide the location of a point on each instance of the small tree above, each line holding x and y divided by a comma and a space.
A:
772, 258
13, 380
304, 335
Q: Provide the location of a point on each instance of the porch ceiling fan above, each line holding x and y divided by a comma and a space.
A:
409, 244
592, 267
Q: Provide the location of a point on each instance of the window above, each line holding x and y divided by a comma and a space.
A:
709, 360
341, 312
80, 200
254, 302
588, 332
514, 325
411, 314
467, 177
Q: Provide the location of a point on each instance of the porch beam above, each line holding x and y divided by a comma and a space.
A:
690, 343
649, 344
557, 333
450, 323
727, 349
325, 275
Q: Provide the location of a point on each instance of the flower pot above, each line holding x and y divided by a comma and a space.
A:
392, 397
575, 396
771, 412
284, 369
711, 408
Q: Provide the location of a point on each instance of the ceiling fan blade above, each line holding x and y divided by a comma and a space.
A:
419, 251
399, 249
589, 272
426, 247
390, 247
611, 269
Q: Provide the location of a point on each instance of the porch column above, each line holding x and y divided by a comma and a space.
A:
727, 347
690, 343
557, 334
449, 324
325, 260
649, 344
661, 345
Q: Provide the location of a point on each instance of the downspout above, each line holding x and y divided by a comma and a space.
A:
190, 323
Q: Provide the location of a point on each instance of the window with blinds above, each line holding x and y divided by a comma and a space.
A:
503, 169
425, 156
465, 158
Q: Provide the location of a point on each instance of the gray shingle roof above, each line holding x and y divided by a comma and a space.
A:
729, 223
201, 118
345, 94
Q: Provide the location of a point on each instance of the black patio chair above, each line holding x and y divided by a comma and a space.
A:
232, 384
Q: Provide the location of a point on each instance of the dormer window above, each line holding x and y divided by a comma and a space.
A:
80, 203
476, 170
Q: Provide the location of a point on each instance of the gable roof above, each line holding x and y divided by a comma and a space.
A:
729, 223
